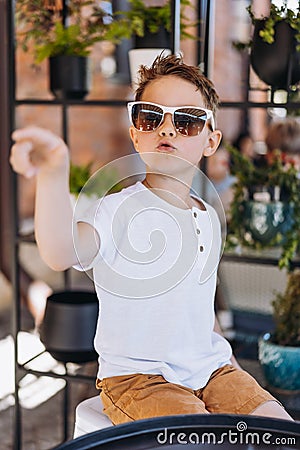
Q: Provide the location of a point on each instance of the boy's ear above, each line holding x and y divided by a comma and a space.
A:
134, 137
213, 142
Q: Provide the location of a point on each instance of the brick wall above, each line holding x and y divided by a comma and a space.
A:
99, 134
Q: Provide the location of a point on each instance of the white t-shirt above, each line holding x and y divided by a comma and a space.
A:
155, 277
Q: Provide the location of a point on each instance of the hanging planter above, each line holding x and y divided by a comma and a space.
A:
147, 48
275, 46
149, 28
277, 63
160, 39
64, 36
69, 76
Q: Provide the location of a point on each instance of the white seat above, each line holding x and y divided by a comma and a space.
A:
89, 417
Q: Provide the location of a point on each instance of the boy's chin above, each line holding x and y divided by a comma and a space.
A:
166, 163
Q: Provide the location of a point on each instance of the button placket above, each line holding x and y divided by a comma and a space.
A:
198, 231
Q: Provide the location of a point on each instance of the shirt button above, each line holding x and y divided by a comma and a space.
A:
198, 231
195, 214
201, 248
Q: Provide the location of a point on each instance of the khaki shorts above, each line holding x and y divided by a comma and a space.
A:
131, 397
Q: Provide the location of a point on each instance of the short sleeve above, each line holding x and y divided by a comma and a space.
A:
97, 216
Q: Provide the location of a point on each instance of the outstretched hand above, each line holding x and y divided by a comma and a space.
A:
37, 149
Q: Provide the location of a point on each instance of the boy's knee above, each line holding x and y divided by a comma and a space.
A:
271, 408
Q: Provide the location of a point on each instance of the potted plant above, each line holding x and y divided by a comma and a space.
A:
69, 326
79, 175
265, 211
279, 352
86, 187
65, 34
148, 24
275, 46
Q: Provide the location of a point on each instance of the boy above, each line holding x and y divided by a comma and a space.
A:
154, 251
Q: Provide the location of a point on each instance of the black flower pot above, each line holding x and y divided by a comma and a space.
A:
277, 64
161, 39
69, 326
69, 76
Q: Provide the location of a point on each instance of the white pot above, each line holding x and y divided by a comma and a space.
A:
143, 56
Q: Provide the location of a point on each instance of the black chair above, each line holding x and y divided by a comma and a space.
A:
210, 431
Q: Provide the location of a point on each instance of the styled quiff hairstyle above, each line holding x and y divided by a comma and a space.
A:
174, 65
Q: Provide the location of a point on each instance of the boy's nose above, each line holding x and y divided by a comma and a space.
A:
167, 127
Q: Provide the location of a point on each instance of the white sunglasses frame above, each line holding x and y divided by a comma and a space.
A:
170, 110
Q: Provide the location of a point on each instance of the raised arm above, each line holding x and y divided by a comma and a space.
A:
40, 152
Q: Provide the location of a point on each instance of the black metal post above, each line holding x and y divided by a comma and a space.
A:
206, 37
65, 12
175, 29
7, 102
8, 188
204, 8
246, 90
200, 24
66, 407
121, 53
66, 275
65, 136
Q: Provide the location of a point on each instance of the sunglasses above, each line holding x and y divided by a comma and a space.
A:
187, 120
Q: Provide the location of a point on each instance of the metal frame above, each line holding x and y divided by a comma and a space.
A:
8, 103
251, 258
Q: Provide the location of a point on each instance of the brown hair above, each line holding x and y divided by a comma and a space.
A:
284, 136
174, 65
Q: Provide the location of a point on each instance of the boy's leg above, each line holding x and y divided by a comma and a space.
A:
271, 409
133, 397
233, 391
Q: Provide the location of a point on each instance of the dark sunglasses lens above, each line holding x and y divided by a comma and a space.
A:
189, 121
146, 117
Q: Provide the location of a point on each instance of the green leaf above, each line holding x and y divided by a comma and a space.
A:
277, 14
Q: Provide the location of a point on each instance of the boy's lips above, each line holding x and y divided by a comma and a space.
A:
165, 146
